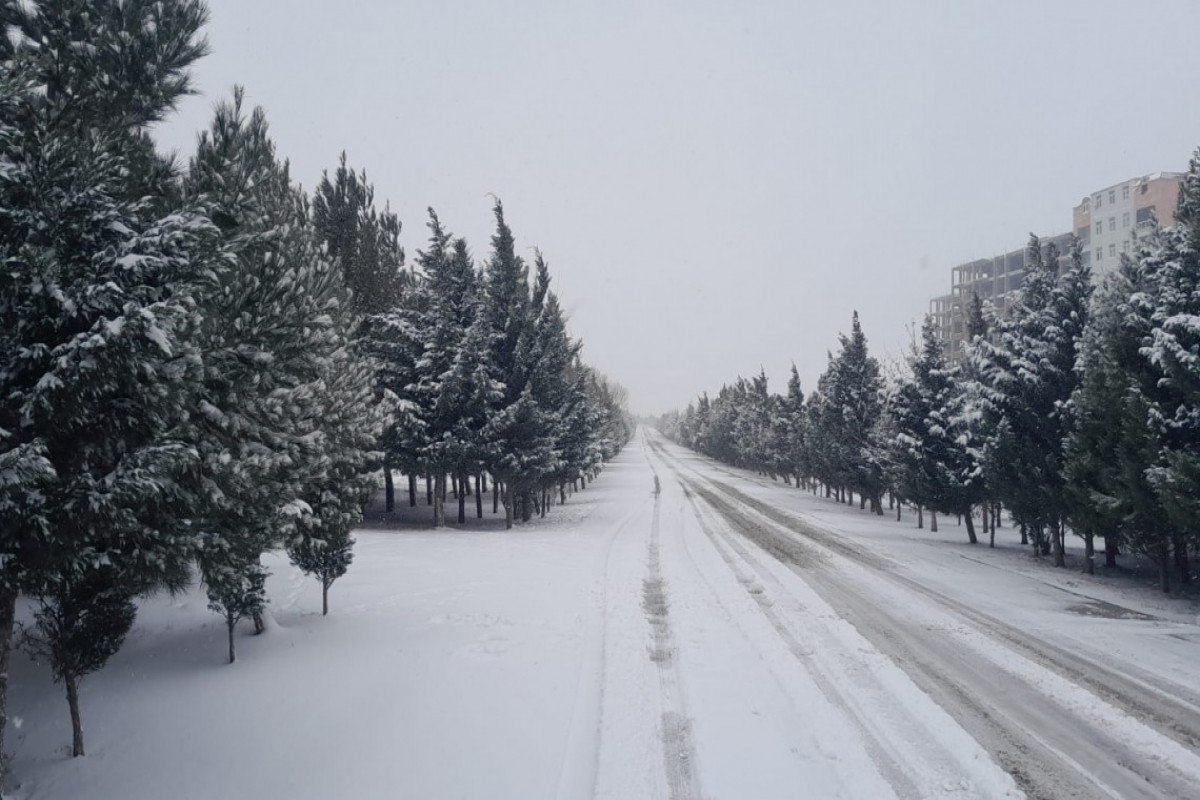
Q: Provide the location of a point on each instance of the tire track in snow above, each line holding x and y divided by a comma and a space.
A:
881, 754
679, 754
1041, 745
581, 755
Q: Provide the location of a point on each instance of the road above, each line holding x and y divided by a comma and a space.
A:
807, 648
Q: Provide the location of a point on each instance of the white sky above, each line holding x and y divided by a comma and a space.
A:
717, 185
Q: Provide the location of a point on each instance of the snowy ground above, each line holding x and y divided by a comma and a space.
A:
729, 638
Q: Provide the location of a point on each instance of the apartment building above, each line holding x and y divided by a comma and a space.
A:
1106, 222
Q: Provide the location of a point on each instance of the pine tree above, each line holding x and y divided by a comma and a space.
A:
77, 628
519, 441
270, 332
97, 308
795, 429
1029, 377
1168, 313
855, 405
363, 241
939, 453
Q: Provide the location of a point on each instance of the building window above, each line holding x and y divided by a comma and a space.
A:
1112, 195
1112, 251
1112, 224
1099, 226
1125, 246
1099, 254
1098, 199
1125, 220
1125, 192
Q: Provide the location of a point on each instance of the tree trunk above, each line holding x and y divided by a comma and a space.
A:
389, 490
1060, 556
230, 622
899, 506
428, 489
1181, 560
1164, 567
508, 506
482, 481
997, 519
920, 518
932, 521
412, 490
76, 722
440, 485
1089, 553
562, 494
862, 501
1024, 534
992, 536
479, 490
462, 499
495, 495
259, 625
970, 527
8, 617
324, 598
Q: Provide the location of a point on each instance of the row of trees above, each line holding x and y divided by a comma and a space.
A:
201, 364
1077, 411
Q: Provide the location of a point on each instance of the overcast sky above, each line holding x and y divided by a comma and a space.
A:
718, 185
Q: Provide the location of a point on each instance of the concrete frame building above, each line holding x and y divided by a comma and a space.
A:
993, 279
1106, 222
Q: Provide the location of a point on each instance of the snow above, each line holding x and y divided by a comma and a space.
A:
628, 646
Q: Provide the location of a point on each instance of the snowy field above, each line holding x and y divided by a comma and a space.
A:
730, 638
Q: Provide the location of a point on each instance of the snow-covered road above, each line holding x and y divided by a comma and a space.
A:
729, 637
917, 647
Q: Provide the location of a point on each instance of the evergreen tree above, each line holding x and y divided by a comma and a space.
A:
77, 628
795, 429
97, 309
363, 241
1173, 265
1029, 378
935, 453
855, 405
270, 334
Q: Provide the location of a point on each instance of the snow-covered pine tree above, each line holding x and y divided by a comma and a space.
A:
795, 429
271, 330
518, 440
857, 402
97, 307
1170, 264
364, 243
78, 626
1028, 378
947, 452
1095, 493
340, 478
362, 240
441, 352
